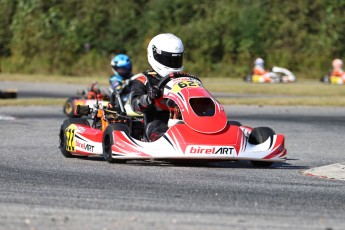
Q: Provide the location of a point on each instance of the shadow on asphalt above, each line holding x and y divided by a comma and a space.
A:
203, 164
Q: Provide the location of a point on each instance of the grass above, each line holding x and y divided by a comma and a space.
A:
32, 102
300, 88
305, 101
302, 93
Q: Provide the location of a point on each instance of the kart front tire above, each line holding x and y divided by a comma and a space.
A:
235, 123
248, 78
62, 134
326, 79
108, 141
258, 136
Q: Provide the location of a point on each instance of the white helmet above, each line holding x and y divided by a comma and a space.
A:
165, 54
259, 61
337, 63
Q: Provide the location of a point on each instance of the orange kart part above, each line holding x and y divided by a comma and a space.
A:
94, 95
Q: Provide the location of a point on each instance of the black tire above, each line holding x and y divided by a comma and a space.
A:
8, 94
108, 141
62, 134
83, 110
235, 123
69, 108
248, 78
258, 136
261, 164
326, 79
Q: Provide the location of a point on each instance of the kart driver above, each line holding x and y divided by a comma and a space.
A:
337, 68
259, 70
122, 67
165, 56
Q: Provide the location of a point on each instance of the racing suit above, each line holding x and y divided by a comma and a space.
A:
259, 70
337, 72
264, 75
156, 113
337, 76
119, 84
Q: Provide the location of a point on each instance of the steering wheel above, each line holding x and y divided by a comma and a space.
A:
167, 78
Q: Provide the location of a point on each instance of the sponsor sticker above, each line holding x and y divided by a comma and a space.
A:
81, 129
84, 146
210, 150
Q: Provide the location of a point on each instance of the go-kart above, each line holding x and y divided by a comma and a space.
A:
88, 98
277, 75
198, 130
8, 94
333, 80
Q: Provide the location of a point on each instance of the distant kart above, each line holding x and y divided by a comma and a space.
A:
198, 130
8, 94
333, 80
277, 75
88, 98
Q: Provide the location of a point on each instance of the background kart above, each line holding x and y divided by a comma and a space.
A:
277, 75
94, 95
8, 94
198, 130
89, 98
70, 106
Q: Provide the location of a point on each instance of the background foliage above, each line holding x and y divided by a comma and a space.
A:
222, 38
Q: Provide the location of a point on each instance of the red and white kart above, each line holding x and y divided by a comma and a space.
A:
198, 130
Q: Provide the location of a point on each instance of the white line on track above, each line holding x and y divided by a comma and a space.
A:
6, 118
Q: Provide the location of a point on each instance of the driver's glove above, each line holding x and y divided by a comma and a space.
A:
127, 81
153, 93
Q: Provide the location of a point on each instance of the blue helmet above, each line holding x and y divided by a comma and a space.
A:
122, 65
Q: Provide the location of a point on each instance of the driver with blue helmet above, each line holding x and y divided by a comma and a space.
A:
122, 67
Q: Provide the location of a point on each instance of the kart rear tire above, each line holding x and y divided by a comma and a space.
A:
108, 141
63, 138
258, 136
69, 109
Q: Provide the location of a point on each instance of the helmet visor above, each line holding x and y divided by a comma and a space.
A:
123, 72
171, 60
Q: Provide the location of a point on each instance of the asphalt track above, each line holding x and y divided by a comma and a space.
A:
40, 189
